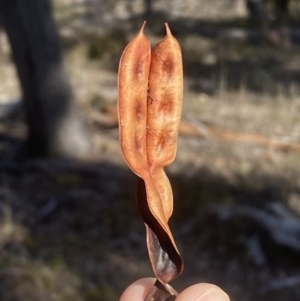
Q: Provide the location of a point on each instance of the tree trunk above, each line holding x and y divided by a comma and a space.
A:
259, 13
55, 124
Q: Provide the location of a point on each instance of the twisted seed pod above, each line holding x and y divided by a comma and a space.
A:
165, 95
149, 109
163, 118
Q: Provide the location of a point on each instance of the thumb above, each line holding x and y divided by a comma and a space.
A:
203, 292
138, 290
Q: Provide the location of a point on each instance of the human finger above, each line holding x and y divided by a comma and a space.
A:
203, 292
138, 290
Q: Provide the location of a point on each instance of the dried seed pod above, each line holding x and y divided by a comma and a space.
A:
164, 101
149, 109
132, 102
163, 118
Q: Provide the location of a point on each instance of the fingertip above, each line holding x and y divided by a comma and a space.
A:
203, 292
138, 290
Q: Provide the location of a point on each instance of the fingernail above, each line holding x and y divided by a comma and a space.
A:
213, 294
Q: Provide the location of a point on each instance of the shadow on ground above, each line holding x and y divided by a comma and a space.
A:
71, 230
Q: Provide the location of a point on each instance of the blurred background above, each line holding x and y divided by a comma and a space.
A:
69, 227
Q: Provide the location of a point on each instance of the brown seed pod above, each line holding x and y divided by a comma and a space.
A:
149, 109
132, 102
164, 101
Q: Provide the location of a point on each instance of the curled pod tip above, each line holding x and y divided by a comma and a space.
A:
164, 256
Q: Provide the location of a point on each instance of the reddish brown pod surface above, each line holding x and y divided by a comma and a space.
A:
132, 102
164, 101
149, 110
